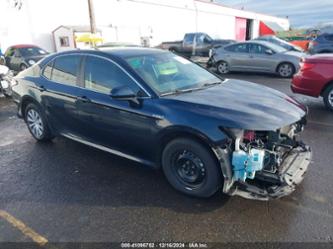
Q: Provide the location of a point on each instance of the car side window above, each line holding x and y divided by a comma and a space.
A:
47, 72
102, 75
329, 37
16, 53
10, 52
238, 48
188, 39
257, 49
65, 69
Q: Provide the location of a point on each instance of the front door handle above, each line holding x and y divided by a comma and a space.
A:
41, 88
83, 99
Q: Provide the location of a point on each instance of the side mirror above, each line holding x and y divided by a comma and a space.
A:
269, 51
123, 93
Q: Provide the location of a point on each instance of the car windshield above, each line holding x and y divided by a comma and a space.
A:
32, 51
168, 73
277, 48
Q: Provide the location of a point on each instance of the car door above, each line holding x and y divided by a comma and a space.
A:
262, 58
9, 55
203, 43
60, 91
117, 124
16, 60
237, 56
188, 43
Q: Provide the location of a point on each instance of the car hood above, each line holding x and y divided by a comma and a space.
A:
244, 105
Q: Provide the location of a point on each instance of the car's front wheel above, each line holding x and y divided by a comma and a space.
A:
222, 67
23, 67
37, 123
328, 97
286, 70
191, 168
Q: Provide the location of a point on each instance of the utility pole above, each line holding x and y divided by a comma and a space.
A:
92, 17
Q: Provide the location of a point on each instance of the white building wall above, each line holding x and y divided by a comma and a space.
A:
121, 20
63, 32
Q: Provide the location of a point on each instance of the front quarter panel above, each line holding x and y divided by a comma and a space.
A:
186, 118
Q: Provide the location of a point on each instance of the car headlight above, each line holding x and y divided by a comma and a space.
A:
210, 52
31, 62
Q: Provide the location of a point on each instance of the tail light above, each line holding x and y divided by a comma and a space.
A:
305, 66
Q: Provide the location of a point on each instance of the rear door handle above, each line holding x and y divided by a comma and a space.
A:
83, 99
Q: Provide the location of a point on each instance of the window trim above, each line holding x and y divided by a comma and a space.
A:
237, 44
52, 61
80, 76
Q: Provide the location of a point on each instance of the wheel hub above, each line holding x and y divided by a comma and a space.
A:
285, 70
189, 168
223, 67
330, 97
35, 123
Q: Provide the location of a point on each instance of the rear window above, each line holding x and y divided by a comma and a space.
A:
33, 71
329, 37
65, 69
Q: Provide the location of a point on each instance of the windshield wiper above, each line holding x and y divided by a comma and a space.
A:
213, 83
178, 91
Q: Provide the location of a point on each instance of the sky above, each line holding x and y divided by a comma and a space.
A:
301, 13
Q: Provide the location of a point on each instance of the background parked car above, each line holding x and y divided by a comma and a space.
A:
20, 57
256, 56
278, 41
300, 41
315, 78
322, 44
6, 81
201, 42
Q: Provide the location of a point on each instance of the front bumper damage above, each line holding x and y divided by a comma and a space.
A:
291, 174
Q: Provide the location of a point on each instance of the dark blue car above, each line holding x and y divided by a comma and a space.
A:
159, 109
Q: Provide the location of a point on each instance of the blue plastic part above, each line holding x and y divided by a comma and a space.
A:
246, 164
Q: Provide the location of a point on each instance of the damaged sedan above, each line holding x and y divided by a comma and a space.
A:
208, 134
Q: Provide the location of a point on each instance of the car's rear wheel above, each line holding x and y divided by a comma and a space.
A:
286, 70
328, 97
222, 67
191, 168
37, 123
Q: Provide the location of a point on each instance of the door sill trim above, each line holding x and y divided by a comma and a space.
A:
112, 151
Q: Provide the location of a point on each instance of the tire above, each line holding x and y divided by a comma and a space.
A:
173, 50
286, 70
191, 168
328, 97
23, 67
7, 95
37, 124
222, 67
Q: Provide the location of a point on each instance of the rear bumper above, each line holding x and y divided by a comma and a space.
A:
304, 85
291, 174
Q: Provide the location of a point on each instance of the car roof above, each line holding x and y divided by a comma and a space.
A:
265, 43
23, 46
115, 53
125, 52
